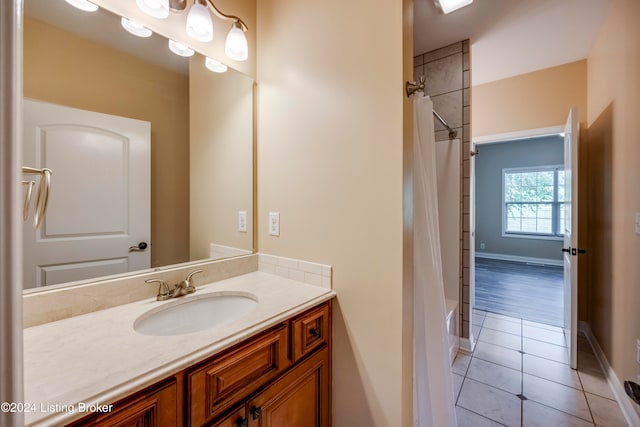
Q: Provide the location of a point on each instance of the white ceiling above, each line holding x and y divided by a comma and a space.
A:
512, 37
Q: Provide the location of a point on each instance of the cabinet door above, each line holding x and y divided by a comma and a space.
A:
299, 399
235, 419
153, 408
221, 383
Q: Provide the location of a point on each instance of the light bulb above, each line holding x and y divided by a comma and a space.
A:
156, 8
236, 46
83, 5
180, 49
215, 66
135, 28
199, 23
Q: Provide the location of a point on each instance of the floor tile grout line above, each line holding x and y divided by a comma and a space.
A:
522, 372
522, 353
490, 385
584, 393
484, 416
564, 412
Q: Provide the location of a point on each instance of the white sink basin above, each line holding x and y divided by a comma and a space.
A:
195, 313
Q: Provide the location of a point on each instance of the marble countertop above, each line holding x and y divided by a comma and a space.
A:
98, 358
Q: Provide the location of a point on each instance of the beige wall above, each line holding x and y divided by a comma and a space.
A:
534, 100
613, 153
221, 158
330, 160
62, 68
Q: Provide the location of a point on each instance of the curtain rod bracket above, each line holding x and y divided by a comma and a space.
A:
413, 87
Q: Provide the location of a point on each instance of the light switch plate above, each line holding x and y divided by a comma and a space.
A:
242, 221
638, 223
274, 223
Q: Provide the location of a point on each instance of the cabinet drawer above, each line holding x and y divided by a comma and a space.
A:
310, 330
155, 407
231, 376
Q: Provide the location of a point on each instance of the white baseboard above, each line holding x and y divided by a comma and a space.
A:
626, 405
467, 345
530, 260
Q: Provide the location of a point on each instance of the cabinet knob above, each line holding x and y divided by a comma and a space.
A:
242, 422
315, 332
256, 412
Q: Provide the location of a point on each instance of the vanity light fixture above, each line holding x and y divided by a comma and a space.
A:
215, 66
448, 6
156, 8
235, 47
200, 25
180, 49
84, 5
135, 28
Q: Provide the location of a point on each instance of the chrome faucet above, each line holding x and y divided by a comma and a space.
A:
183, 288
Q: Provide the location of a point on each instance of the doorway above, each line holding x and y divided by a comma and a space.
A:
519, 210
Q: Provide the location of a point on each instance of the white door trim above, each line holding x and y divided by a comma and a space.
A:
490, 139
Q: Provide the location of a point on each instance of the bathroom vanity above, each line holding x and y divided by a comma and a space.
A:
277, 378
270, 367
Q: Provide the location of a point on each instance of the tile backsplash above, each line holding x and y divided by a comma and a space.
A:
308, 272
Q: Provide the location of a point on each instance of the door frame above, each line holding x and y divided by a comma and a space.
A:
476, 143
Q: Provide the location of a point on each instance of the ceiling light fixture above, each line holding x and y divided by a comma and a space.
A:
180, 49
135, 28
215, 66
83, 5
200, 25
448, 6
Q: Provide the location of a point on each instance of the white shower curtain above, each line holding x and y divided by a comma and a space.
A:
432, 386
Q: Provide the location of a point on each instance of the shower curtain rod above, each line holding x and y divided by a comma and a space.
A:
413, 87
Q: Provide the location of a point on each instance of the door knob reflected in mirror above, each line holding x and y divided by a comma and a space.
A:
139, 248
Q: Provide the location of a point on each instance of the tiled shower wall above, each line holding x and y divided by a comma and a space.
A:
447, 73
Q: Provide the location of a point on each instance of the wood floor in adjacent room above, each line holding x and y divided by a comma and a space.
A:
528, 291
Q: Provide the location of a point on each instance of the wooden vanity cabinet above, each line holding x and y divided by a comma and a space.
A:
278, 378
300, 398
156, 406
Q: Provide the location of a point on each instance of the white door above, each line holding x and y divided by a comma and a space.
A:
99, 203
570, 249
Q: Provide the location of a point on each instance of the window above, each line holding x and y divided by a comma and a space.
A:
533, 201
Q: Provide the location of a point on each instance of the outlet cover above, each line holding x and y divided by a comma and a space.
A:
274, 223
638, 223
638, 351
242, 221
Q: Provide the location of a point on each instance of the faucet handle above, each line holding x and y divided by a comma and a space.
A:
190, 275
163, 290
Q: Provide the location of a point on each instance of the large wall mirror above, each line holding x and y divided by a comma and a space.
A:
91, 91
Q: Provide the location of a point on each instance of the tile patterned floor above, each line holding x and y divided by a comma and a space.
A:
518, 376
